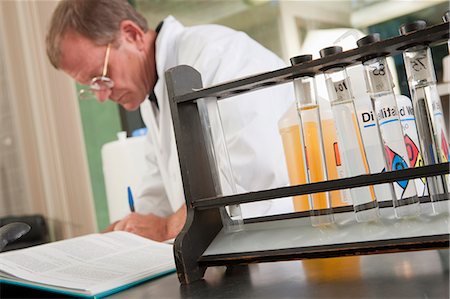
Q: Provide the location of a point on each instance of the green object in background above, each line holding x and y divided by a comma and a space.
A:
101, 122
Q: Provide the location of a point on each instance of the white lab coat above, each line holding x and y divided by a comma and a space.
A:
219, 54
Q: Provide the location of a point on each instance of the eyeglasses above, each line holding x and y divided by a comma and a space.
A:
100, 86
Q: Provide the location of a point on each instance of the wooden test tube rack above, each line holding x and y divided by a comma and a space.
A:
203, 243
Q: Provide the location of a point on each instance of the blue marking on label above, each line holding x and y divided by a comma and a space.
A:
408, 119
398, 164
388, 121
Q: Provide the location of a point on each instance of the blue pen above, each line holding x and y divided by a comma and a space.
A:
130, 199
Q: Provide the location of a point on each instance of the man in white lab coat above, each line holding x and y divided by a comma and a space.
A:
107, 45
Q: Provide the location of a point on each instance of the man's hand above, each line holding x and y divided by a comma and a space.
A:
151, 226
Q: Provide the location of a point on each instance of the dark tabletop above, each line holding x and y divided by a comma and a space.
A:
420, 274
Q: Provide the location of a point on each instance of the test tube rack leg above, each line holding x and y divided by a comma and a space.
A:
201, 225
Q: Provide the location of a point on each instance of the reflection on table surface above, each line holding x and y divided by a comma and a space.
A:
420, 274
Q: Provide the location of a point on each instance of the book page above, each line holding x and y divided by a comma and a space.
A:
96, 262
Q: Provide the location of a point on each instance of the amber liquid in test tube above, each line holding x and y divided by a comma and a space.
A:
379, 84
308, 109
293, 146
338, 85
428, 111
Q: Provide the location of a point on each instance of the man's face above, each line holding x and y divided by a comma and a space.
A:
83, 60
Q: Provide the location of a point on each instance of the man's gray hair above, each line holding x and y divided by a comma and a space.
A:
97, 20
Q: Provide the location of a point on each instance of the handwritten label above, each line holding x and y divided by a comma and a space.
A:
379, 78
342, 90
420, 67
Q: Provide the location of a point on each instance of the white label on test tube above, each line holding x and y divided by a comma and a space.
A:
395, 150
372, 144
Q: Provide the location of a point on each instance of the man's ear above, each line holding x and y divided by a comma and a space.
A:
132, 33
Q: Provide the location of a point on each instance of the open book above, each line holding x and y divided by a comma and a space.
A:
94, 265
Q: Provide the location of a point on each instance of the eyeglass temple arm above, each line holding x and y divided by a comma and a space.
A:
105, 64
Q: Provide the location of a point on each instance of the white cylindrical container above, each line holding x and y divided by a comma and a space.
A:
123, 165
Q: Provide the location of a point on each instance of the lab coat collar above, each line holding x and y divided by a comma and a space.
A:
160, 125
166, 58
166, 48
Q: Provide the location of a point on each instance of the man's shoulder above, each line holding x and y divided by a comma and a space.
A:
220, 53
197, 37
208, 35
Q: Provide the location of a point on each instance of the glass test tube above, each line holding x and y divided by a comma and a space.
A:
427, 109
294, 153
308, 110
365, 204
220, 164
379, 84
408, 121
370, 135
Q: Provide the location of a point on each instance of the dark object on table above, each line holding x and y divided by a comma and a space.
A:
11, 232
38, 234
